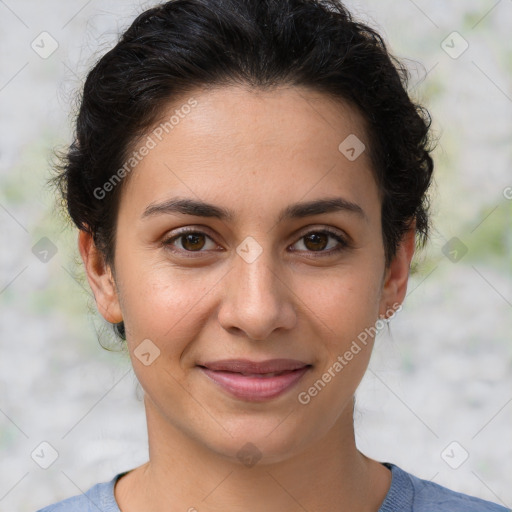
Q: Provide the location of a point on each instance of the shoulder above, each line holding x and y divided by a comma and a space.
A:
410, 493
99, 498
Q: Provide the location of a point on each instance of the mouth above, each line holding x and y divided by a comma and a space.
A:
255, 381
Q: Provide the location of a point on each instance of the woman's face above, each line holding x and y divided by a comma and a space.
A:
262, 283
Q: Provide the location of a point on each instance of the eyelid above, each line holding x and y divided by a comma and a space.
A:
344, 241
168, 242
322, 229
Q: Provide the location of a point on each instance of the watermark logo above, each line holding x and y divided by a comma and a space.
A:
44, 45
146, 352
249, 455
455, 249
455, 455
352, 147
249, 250
454, 45
44, 455
44, 250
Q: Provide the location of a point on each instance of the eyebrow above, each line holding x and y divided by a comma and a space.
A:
196, 208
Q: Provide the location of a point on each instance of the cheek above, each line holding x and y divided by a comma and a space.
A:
344, 301
163, 303
347, 307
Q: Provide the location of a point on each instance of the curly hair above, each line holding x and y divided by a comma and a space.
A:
180, 45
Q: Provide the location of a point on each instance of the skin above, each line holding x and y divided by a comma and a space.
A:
254, 152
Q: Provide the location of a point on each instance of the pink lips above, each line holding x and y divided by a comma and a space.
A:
255, 381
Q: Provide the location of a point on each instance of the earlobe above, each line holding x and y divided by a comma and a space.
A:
100, 278
397, 274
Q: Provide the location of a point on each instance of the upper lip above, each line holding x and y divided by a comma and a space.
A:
247, 366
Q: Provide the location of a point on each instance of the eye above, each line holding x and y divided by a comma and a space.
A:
318, 241
188, 240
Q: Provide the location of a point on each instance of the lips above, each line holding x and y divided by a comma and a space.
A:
255, 381
245, 366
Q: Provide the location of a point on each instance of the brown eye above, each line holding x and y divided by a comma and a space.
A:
318, 242
192, 241
189, 241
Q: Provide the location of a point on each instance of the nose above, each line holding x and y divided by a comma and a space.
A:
256, 299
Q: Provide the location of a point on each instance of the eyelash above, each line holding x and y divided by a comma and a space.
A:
343, 244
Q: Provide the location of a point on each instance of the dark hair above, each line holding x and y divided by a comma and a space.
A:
181, 45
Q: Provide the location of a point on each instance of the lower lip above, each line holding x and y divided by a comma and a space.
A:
255, 389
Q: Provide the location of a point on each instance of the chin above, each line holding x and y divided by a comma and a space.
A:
260, 441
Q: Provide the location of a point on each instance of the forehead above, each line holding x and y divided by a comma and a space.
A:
243, 117
254, 147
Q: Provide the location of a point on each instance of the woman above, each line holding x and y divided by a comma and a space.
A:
249, 179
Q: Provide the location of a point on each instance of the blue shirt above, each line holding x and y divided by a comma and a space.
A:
407, 493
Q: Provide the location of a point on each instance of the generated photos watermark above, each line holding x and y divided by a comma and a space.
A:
151, 142
304, 397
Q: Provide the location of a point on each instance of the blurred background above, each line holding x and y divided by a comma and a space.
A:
437, 398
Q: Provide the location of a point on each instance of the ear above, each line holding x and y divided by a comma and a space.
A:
394, 285
100, 279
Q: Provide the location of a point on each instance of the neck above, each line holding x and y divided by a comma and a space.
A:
329, 474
